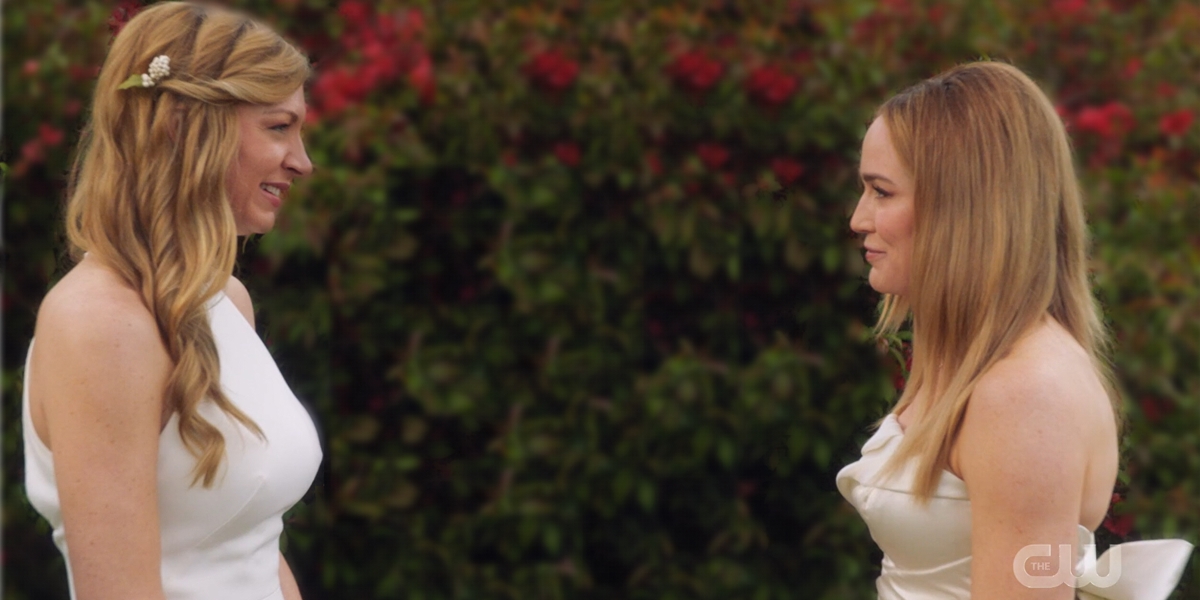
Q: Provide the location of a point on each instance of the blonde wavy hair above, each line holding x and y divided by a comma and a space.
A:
148, 195
1000, 241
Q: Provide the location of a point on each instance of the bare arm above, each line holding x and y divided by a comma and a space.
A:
287, 581
1022, 452
96, 389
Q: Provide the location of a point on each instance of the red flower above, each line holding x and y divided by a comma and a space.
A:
1068, 8
654, 162
81, 72
421, 78
712, 155
331, 91
1132, 67
695, 71
1118, 524
770, 86
567, 153
750, 320
1154, 408
413, 23
50, 135
121, 15
33, 151
1106, 121
355, 12
787, 170
1176, 123
1165, 90
551, 71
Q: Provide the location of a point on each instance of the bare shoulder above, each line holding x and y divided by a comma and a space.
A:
240, 296
98, 358
1037, 414
1048, 378
92, 310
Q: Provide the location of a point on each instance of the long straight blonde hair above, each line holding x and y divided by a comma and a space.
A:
148, 192
1000, 241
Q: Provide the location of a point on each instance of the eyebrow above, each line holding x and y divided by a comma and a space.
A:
870, 177
292, 114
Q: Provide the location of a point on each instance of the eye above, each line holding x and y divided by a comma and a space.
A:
880, 193
280, 127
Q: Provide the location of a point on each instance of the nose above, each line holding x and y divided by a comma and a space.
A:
862, 221
297, 160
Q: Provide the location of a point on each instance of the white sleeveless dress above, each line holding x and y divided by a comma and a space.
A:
927, 550
220, 542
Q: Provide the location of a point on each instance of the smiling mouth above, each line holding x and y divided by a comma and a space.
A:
270, 189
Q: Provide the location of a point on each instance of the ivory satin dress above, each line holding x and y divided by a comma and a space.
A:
219, 542
927, 550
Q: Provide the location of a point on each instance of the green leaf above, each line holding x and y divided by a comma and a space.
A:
133, 81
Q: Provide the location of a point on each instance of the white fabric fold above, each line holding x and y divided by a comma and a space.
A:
1141, 570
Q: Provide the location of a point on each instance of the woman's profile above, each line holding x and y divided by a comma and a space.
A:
161, 442
1002, 451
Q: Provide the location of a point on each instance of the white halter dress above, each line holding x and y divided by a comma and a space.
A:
927, 550
220, 542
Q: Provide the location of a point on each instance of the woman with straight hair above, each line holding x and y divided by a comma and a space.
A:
998, 461
161, 442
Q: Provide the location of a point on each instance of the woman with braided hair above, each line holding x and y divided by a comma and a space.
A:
161, 442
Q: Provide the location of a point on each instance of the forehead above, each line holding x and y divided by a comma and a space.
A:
879, 155
294, 104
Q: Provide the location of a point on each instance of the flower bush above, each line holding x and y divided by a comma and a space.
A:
572, 293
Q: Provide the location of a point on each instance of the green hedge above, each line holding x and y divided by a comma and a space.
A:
572, 292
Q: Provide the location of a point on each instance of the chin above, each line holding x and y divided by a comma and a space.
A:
255, 229
885, 287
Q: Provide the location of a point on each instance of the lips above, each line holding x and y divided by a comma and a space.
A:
274, 192
871, 254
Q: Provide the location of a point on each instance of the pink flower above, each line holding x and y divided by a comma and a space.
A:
1176, 123
712, 155
770, 86
551, 71
787, 170
695, 71
567, 153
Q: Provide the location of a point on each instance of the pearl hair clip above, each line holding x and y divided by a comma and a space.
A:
160, 68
